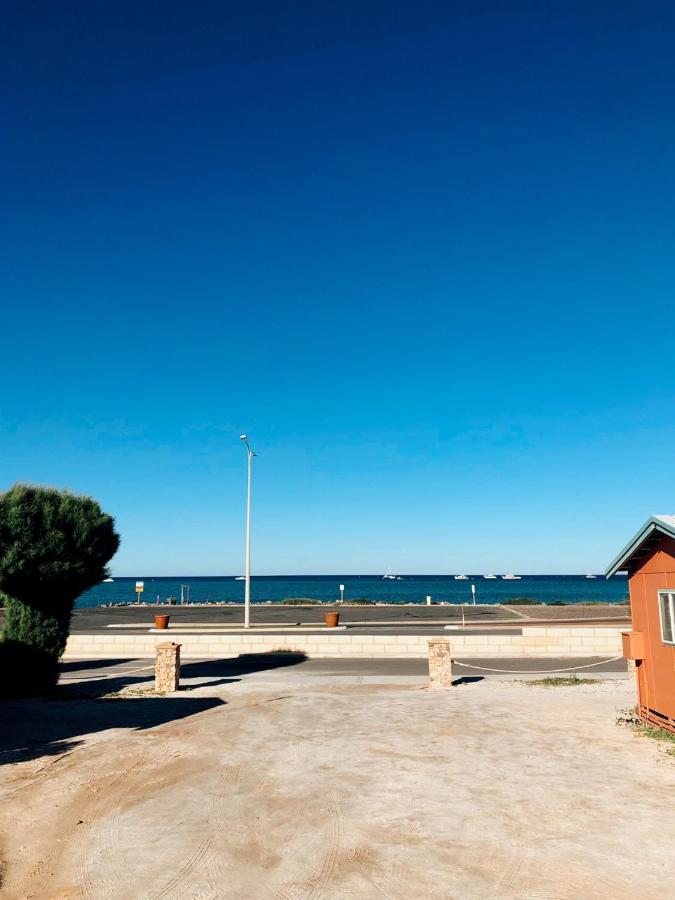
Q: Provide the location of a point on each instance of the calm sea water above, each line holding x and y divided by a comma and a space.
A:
412, 589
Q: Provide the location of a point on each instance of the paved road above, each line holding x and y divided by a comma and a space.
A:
105, 676
97, 619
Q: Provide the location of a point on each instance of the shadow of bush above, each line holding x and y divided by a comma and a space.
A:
25, 670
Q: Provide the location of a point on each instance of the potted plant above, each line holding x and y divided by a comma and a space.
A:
331, 619
162, 621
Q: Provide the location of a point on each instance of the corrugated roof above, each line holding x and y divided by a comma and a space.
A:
646, 536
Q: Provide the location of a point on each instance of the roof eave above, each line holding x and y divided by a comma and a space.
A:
653, 524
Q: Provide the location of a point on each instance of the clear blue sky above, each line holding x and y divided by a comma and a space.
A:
422, 253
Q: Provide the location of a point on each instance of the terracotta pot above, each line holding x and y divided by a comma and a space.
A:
331, 619
162, 622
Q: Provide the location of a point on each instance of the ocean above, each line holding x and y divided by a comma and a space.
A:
411, 589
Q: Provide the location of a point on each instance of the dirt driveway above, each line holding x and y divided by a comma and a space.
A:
296, 791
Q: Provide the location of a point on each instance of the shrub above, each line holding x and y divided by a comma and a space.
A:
53, 546
300, 601
563, 681
522, 601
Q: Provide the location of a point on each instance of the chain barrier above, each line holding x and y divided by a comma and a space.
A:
602, 662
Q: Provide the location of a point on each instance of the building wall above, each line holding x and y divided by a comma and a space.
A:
656, 673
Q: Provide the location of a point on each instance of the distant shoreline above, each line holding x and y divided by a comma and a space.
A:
309, 604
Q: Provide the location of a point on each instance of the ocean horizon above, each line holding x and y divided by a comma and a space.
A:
404, 589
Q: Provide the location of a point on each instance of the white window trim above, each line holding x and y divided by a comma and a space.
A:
671, 608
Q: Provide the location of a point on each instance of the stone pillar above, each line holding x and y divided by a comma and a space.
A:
440, 664
167, 667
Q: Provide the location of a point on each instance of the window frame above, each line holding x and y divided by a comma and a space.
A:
670, 594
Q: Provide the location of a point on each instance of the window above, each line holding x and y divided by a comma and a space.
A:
667, 610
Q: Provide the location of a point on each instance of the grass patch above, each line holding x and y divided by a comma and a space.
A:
657, 734
630, 718
522, 601
592, 603
300, 601
358, 601
563, 681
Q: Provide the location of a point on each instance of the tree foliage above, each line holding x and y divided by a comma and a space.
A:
53, 546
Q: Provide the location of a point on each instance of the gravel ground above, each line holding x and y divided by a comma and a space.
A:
241, 790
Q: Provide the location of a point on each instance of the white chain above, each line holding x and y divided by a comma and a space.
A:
602, 662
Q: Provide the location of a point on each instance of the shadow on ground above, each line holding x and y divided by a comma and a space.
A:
78, 665
245, 664
33, 728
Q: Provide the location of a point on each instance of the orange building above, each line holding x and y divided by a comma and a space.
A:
649, 559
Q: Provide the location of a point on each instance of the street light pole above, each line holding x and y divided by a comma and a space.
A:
247, 592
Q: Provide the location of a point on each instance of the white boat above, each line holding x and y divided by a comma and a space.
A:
240, 578
389, 577
591, 576
107, 580
489, 576
461, 577
510, 577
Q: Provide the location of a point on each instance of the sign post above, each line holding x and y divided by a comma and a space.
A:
139, 591
342, 593
473, 593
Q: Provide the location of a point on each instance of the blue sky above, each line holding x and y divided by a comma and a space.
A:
422, 253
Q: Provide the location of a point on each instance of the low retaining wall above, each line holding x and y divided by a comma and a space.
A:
576, 641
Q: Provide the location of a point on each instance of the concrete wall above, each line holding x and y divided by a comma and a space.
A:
534, 641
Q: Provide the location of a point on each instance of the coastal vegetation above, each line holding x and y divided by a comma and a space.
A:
310, 601
54, 545
522, 601
300, 601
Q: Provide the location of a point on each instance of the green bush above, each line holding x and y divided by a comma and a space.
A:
54, 545
300, 601
522, 601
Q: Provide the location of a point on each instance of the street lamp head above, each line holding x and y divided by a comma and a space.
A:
242, 437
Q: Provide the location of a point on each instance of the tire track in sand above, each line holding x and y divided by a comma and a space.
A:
308, 886
185, 872
106, 806
46, 773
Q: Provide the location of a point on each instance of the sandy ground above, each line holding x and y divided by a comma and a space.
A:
288, 790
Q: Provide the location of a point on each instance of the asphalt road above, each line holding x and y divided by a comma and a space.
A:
92, 620
105, 676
